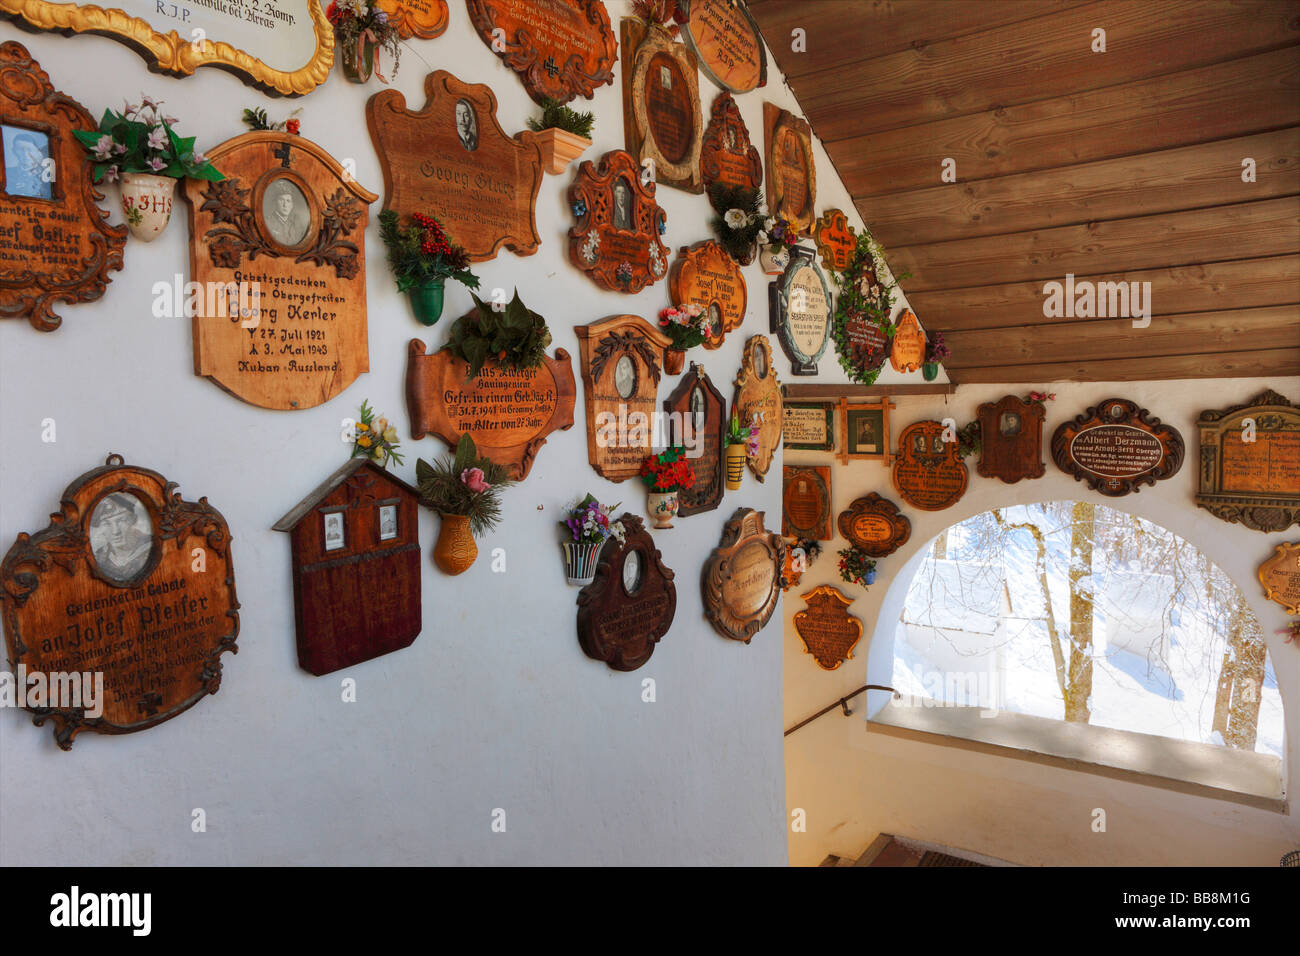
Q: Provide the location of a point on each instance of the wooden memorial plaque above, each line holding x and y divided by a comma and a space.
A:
425, 19
561, 49
1011, 439
928, 474
808, 425
742, 578
727, 156
1116, 448
452, 160
800, 307
705, 275
791, 171
616, 239
630, 604
828, 631
875, 525
806, 502
1251, 472
907, 352
697, 405
356, 567
509, 413
836, 240
286, 228
864, 430
727, 42
868, 343
758, 398
662, 118
129, 581
621, 361
1280, 576
282, 45
55, 243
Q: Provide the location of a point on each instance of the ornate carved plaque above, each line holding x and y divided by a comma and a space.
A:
907, 352
868, 343
452, 160
509, 413
1116, 448
1011, 439
697, 405
55, 243
742, 578
281, 45
875, 525
425, 19
928, 474
705, 275
630, 603
829, 632
284, 232
1251, 472
621, 361
560, 48
836, 240
728, 43
727, 156
864, 430
800, 304
791, 171
758, 398
1280, 576
806, 502
616, 239
661, 104
130, 582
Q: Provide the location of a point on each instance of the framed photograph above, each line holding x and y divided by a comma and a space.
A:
387, 522
334, 537
286, 212
808, 426
27, 170
466, 125
122, 537
864, 430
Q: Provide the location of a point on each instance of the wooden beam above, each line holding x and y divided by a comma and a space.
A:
1253, 364
821, 391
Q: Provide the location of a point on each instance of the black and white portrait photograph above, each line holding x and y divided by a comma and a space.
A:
622, 205
334, 531
466, 125
25, 153
387, 522
1009, 423
866, 430
121, 536
665, 78
285, 212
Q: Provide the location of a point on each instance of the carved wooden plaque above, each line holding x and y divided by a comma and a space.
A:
808, 425
836, 240
791, 171
758, 398
630, 604
621, 361
283, 237
705, 275
695, 406
829, 632
452, 160
928, 474
907, 351
727, 156
1250, 462
425, 19
55, 243
806, 502
868, 342
281, 45
875, 525
129, 581
864, 430
662, 118
560, 48
616, 239
356, 567
509, 413
728, 43
1280, 576
1011, 439
742, 578
800, 306
1116, 448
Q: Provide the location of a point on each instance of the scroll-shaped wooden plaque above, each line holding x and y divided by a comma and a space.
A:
131, 583
728, 44
875, 525
808, 425
828, 631
1011, 439
806, 502
791, 170
696, 406
285, 233
55, 242
705, 275
616, 239
662, 119
907, 349
629, 605
1116, 448
800, 306
742, 578
758, 399
281, 45
1280, 576
621, 361
509, 413
928, 474
1250, 462
425, 19
452, 160
727, 156
836, 240
560, 48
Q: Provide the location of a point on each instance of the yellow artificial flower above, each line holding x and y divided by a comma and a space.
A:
364, 441
390, 435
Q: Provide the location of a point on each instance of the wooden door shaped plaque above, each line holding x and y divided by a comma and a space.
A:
616, 239
1116, 448
836, 240
758, 400
424, 19
875, 525
1011, 439
288, 225
129, 581
828, 631
697, 405
727, 42
742, 578
560, 48
1250, 462
800, 306
705, 275
1280, 576
727, 156
927, 473
662, 120
791, 171
452, 160
806, 502
907, 346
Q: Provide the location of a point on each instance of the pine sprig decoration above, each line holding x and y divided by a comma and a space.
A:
855, 565
557, 115
738, 240
863, 296
464, 484
423, 252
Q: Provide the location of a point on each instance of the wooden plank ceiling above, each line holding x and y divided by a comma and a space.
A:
1117, 166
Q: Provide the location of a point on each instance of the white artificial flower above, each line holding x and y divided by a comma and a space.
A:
734, 218
769, 224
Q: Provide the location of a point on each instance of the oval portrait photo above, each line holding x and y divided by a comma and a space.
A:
121, 537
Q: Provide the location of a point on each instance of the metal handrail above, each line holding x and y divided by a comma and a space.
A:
843, 704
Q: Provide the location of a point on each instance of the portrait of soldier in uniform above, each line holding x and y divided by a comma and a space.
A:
118, 536
285, 212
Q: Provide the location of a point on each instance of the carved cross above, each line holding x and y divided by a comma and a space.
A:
149, 704
281, 153
551, 67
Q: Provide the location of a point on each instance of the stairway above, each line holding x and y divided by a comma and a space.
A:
888, 850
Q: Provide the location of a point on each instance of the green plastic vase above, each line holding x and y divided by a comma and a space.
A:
426, 300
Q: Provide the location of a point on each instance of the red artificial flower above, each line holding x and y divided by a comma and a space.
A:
292, 126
